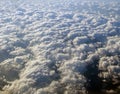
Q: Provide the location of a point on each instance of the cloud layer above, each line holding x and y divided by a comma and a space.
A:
56, 47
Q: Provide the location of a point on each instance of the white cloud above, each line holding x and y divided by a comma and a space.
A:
46, 47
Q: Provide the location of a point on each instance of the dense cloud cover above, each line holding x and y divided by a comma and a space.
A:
57, 47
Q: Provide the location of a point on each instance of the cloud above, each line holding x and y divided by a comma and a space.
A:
51, 49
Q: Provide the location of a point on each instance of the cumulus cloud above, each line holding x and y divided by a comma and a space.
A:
58, 47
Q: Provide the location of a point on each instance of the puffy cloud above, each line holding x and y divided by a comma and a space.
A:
57, 47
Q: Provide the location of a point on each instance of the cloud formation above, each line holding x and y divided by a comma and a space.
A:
56, 47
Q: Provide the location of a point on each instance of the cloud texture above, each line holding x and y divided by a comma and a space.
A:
55, 47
